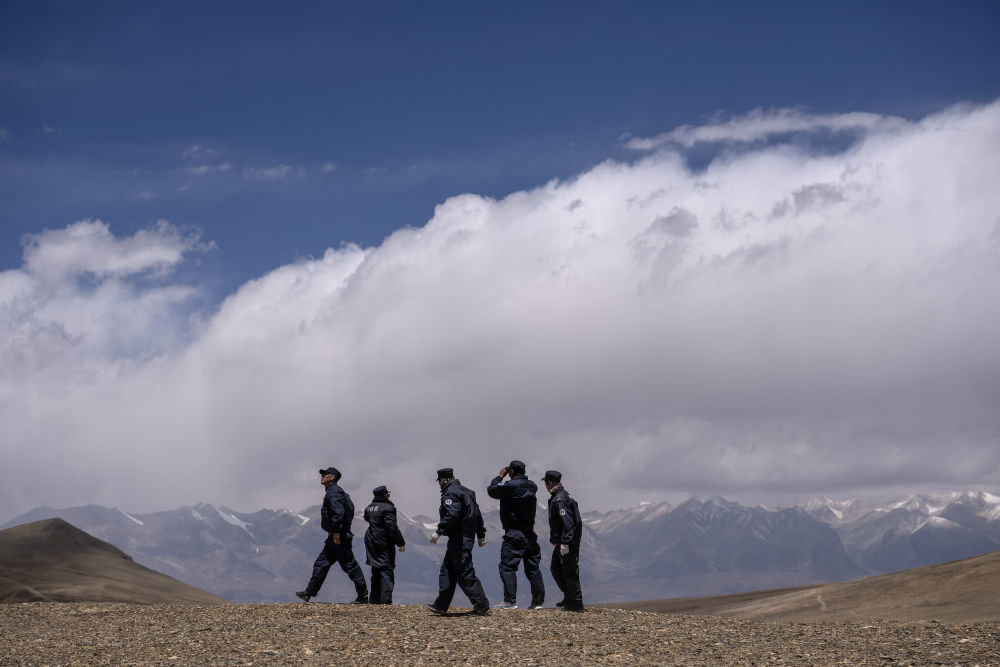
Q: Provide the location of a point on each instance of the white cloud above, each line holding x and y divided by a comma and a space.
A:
762, 124
278, 173
84, 302
779, 322
328, 167
201, 169
48, 129
88, 247
197, 151
145, 195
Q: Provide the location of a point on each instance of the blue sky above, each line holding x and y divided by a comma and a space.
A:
713, 248
413, 102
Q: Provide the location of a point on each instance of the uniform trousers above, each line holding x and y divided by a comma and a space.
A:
342, 554
521, 546
383, 581
566, 571
457, 570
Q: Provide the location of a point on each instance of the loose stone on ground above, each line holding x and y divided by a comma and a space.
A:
273, 634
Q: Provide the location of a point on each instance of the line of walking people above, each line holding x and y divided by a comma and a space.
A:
461, 521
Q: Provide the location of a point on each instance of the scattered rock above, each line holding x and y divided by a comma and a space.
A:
58, 633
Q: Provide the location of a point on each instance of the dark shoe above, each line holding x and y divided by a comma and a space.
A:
535, 605
561, 603
363, 600
482, 611
302, 595
437, 611
578, 610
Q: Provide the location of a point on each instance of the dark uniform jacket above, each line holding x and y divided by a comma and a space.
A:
337, 511
460, 515
383, 534
518, 502
565, 523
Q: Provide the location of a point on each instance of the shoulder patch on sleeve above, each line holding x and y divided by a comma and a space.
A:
447, 501
562, 512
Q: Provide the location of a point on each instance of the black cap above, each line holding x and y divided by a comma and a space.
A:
516, 466
330, 471
445, 473
552, 476
380, 491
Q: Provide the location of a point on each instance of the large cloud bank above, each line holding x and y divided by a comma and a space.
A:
786, 321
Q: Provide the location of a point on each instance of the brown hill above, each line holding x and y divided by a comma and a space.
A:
962, 591
52, 561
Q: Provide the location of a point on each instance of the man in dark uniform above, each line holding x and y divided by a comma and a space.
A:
565, 532
337, 515
380, 539
518, 504
461, 522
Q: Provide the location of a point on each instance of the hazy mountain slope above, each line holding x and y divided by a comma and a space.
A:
963, 591
51, 560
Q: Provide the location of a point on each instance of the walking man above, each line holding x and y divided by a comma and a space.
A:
518, 504
337, 515
565, 532
380, 539
461, 522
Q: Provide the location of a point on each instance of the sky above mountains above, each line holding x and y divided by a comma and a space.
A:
741, 250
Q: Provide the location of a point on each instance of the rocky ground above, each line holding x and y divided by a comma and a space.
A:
115, 633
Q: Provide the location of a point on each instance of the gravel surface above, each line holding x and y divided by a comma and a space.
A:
272, 634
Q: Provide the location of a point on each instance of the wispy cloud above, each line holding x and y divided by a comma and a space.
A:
48, 129
201, 169
761, 124
198, 151
145, 195
4, 135
327, 167
277, 173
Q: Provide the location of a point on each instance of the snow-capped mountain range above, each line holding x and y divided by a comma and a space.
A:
700, 547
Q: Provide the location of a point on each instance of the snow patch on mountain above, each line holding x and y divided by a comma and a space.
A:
229, 518
129, 516
940, 522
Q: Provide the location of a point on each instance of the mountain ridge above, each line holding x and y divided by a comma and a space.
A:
703, 546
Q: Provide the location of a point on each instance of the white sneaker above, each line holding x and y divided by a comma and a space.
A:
506, 605
535, 606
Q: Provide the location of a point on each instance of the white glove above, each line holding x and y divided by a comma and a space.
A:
434, 538
563, 549
402, 548
482, 541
